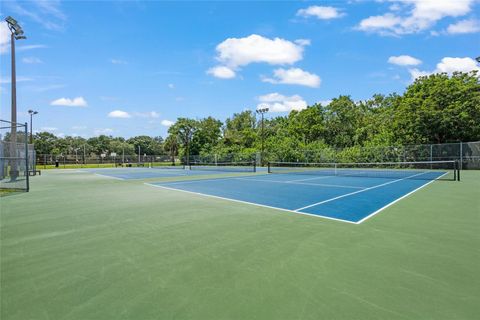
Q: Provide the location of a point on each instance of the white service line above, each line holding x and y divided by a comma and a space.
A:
303, 183
307, 179
110, 177
355, 192
246, 202
398, 199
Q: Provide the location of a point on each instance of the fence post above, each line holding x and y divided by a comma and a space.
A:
26, 157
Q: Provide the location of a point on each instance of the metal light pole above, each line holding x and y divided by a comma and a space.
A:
32, 113
16, 34
262, 109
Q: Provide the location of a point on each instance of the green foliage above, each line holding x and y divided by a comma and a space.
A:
434, 109
438, 109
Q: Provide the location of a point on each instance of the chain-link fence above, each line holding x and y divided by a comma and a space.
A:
47, 161
14, 157
466, 153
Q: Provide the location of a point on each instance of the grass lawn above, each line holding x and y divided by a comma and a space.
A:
80, 246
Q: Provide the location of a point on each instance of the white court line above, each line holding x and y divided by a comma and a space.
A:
355, 192
246, 202
307, 179
398, 199
302, 183
110, 177
200, 180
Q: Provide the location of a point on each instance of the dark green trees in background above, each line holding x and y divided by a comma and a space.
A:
434, 109
438, 109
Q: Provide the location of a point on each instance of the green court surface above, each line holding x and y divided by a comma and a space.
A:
82, 246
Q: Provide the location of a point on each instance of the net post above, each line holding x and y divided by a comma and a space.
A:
254, 166
268, 166
458, 171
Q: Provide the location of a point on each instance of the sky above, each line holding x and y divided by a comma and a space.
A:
127, 68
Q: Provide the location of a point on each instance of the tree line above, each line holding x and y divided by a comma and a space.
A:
434, 109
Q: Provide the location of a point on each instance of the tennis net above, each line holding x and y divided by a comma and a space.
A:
428, 170
246, 166
177, 166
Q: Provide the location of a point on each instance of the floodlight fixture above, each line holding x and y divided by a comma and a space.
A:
11, 21
262, 108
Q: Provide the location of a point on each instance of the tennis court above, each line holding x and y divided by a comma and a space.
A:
84, 246
349, 193
165, 171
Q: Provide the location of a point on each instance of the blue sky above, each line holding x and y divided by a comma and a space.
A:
131, 68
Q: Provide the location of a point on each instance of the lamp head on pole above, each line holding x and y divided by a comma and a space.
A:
262, 108
15, 28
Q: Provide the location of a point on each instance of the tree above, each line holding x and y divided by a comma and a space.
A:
439, 108
147, 145
171, 146
184, 129
207, 135
240, 130
44, 142
343, 116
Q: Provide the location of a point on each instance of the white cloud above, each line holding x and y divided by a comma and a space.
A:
167, 123
322, 13
415, 73
382, 24
79, 127
151, 114
420, 15
404, 60
171, 86
234, 53
279, 103
67, 102
448, 65
46, 13
4, 37
48, 129
464, 26
31, 60
325, 102
118, 61
102, 131
5, 40
294, 76
30, 47
119, 114
221, 72
303, 42
4, 80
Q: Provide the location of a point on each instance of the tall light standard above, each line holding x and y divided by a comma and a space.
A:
16, 34
262, 109
32, 113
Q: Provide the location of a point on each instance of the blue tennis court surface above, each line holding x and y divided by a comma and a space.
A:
348, 199
147, 173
